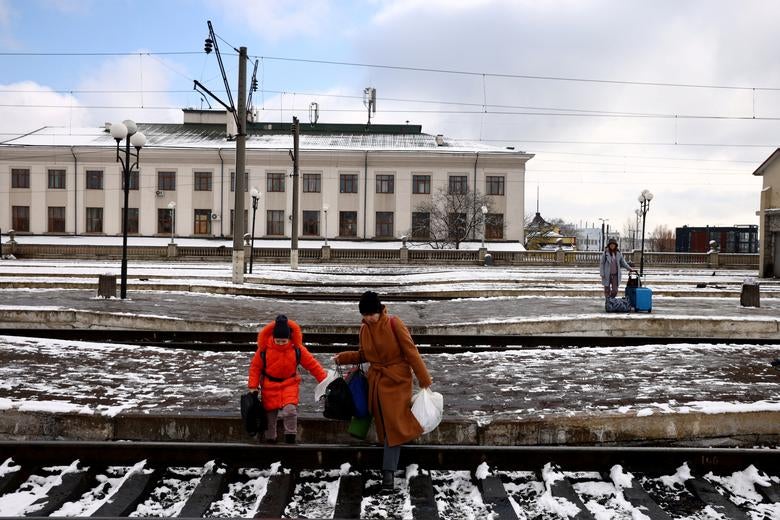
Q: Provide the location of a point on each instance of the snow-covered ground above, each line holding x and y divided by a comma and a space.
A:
67, 376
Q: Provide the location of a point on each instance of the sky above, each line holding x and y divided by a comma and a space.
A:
613, 96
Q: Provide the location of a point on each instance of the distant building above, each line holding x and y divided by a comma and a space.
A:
769, 216
734, 239
357, 181
542, 235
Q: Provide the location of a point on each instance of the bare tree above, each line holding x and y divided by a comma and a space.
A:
662, 239
450, 216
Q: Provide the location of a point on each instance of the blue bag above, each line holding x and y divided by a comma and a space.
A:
358, 387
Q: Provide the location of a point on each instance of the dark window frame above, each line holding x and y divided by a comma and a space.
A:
233, 182
202, 180
457, 184
312, 183
385, 183
93, 220
274, 222
494, 226
20, 178
310, 220
201, 222
384, 224
495, 185
93, 179
19, 222
348, 183
421, 184
348, 223
57, 176
166, 180
56, 223
275, 182
421, 220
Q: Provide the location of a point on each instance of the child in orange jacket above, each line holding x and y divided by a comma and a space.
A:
274, 372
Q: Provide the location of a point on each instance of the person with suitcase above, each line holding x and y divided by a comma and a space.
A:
611, 262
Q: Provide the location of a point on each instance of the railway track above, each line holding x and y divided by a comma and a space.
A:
115, 480
319, 342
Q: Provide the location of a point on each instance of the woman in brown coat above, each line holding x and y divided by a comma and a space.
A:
387, 345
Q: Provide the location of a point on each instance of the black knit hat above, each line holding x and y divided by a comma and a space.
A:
369, 303
281, 328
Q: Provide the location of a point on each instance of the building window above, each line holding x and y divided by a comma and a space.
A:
233, 181
166, 181
494, 226
275, 222
20, 218
421, 225
133, 180
202, 222
20, 178
56, 179
94, 179
132, 221
56, 219
348, 183
384, 224
311, 223
311, 182
164, 221
275, 182
494, 185
458, 185
348, 223
421, 184
232, 221
94, 220
385, 183
202, 181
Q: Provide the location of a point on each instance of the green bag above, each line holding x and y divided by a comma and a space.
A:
358, 427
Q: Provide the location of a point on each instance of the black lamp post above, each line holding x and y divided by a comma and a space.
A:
255, 200
128, 131
644, 204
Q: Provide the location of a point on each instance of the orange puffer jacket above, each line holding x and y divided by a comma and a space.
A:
281, 364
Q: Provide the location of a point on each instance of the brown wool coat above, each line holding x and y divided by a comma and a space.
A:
388, 346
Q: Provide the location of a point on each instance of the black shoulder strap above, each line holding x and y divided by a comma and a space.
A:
297, 362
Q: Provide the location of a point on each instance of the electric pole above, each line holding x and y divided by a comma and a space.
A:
238, 212
296, 128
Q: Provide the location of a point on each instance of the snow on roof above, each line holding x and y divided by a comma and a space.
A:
333, 137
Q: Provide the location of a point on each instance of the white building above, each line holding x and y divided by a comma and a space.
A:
357, 181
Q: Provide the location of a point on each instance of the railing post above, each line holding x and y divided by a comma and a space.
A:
560, 256
325, 254
404, 255
482, 253
713, 259
173, 250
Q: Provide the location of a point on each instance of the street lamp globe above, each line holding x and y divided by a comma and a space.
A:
131, 126
255, 193
484, 210
325, 208
171, 205
138, 140
118, 131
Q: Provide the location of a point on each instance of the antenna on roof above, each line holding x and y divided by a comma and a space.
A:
369, 100
314, 112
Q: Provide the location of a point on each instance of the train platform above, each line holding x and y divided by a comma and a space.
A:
703, 392
669, 394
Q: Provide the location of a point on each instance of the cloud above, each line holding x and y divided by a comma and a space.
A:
276, 19
52, 109
717, 43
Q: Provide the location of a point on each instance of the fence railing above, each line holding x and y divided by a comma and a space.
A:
384, 256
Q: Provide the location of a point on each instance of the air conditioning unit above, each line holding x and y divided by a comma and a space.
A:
160, 193
214, 216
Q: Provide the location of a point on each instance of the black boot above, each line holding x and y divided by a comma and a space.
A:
388, 479
289, 438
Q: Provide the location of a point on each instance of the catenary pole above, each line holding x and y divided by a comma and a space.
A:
238, 212
294, 233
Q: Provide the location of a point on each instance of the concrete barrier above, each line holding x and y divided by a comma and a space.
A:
746, 429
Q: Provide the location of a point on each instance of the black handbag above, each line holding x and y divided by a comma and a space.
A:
253, 414
338, 400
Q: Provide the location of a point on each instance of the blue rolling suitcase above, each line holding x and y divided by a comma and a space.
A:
643, 299
640, 298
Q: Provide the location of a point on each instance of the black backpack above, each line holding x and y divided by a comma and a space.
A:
338, 401
253, 414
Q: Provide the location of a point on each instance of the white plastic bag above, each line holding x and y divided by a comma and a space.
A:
319, 391
427, 408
